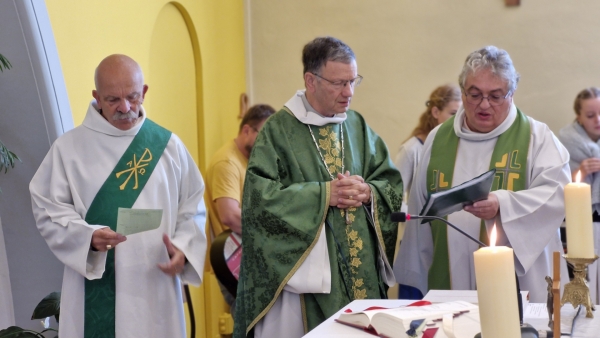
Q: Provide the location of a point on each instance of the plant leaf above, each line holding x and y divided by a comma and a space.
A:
11, 331
49, 306
4, 63
17, 332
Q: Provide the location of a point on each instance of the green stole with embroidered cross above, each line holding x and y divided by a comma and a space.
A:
120, 190
509, 158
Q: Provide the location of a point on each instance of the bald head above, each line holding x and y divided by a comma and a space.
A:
120, 90
115, 66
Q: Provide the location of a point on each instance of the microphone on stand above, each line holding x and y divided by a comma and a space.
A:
526, 331
403, 217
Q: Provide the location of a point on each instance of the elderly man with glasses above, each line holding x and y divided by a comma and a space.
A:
320, 186
526, 203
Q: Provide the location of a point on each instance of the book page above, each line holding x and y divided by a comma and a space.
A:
361, 318
394, 323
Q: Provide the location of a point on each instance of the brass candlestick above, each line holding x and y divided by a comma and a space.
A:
577, 291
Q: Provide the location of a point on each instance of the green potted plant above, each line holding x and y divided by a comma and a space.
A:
48, 307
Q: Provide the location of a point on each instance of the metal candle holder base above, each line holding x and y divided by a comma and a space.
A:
577, 291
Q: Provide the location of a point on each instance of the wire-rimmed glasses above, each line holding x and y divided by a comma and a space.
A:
493, 99
342, 83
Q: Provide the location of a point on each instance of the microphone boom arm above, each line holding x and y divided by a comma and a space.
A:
452, 225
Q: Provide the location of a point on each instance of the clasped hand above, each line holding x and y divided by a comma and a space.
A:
588, 166
105, 239
349, 191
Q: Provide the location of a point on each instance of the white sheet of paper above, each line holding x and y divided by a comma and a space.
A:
133, 221
536, 310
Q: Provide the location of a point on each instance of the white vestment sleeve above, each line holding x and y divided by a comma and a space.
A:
407, 161
314, 274
67, 234
189, 234
531, 217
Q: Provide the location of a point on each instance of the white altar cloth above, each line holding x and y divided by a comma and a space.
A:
584, 327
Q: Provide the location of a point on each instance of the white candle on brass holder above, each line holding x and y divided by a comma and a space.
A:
578, 212
497, 291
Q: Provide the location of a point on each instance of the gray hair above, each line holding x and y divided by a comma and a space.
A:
322, 49
495, 59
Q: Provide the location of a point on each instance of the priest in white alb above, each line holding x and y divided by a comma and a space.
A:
117, 286
526, 203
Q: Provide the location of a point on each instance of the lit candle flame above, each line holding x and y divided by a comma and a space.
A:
578, 176
493, 236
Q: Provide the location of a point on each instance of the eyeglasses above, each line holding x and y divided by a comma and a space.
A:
342, 83
477, 98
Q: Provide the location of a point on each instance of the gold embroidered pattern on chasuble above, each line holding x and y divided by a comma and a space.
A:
330, 144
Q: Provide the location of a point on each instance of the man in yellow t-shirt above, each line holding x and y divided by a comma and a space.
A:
226, 173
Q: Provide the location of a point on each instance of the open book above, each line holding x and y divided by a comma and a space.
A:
443, 203
395, 322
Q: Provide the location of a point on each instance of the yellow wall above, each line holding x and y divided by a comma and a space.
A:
192, 54
87, 31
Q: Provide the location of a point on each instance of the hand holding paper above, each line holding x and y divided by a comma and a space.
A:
105, 239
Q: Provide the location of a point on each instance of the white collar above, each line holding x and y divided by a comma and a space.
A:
462, 130
95, 121
309, 116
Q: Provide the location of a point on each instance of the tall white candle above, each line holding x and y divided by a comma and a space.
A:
578, 213
497, 291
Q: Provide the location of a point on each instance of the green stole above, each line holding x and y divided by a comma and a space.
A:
509, 158
120, 190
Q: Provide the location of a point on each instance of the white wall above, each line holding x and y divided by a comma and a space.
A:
406, 48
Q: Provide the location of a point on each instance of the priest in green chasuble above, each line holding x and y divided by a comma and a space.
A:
319, 190
526, 203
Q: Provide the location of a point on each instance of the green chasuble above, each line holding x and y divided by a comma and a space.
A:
120, 190
509, 158
286, 204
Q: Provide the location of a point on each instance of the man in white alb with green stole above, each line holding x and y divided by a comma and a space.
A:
319, 190
527, 201
117, 286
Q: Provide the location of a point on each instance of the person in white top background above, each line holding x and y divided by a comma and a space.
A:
443, 103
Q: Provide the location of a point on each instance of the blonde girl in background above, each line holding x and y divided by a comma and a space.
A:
582, 140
